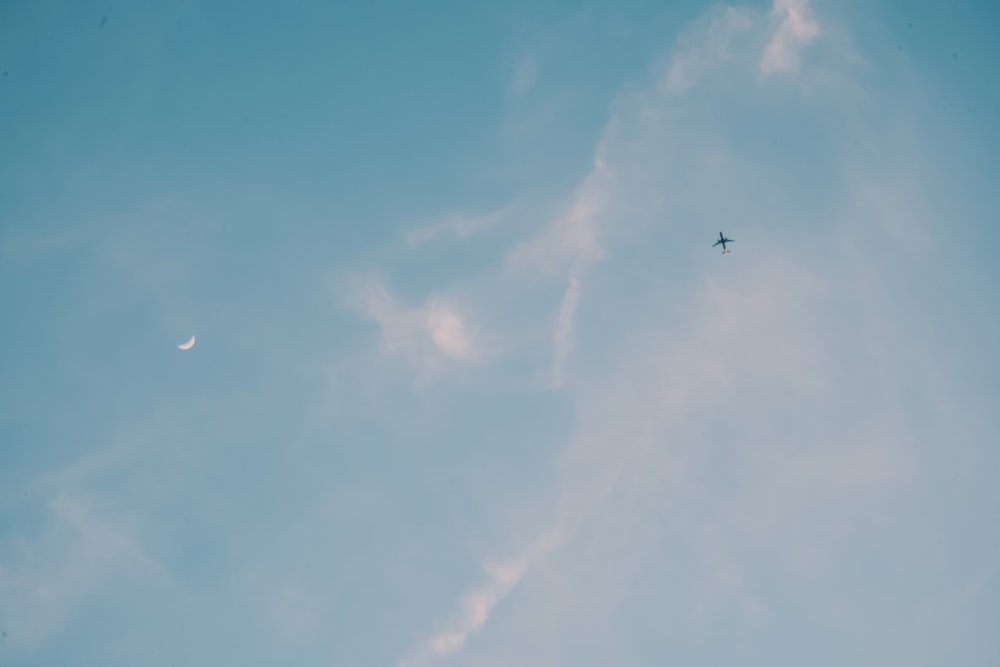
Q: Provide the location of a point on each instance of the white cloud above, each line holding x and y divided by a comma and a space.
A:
448, 331
795, 31
571, 243
477, 605
727, 40
426, 335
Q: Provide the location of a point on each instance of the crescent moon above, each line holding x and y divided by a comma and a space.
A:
188, 345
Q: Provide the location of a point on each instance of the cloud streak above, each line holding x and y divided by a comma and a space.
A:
457, 226
477, 605
566, 247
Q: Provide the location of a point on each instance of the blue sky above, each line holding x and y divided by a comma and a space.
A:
470, 385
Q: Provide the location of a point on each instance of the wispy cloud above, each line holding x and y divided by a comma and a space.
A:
751, 352
426, 335
729, 39
744, 356
457, 226
565, 248
477, 606
563, 335
525, 75
295, 615
775, 442
795, 31
80, 551
572, 240
707, 45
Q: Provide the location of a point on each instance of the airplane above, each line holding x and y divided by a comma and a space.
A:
723, 240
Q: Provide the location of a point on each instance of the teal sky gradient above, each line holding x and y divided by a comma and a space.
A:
471, 386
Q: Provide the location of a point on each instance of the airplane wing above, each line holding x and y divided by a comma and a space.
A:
716, 243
